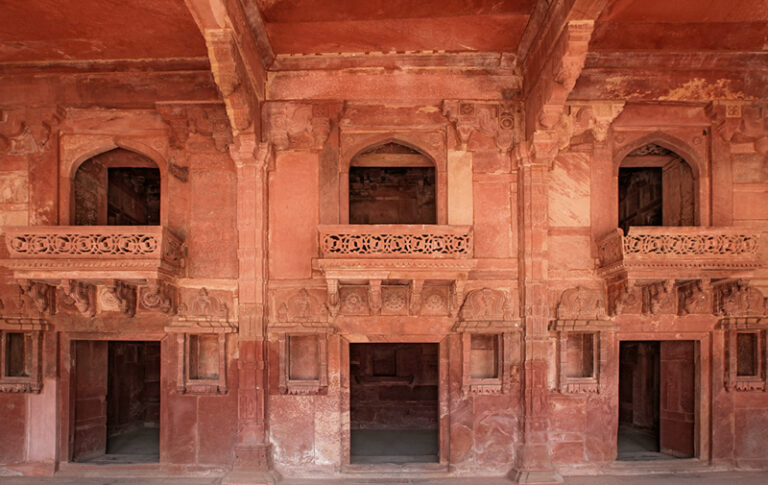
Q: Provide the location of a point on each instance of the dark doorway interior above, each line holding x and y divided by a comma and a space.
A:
392, 195
394, 403
117, 188
640, 197
656, 188
133, 197
116, 402
656, 400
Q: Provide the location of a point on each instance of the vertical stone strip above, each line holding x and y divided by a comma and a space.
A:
252, 449
535, 464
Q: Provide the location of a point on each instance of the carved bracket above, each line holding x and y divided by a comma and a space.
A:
38, 297
118, 296
206, 120
296, 125
79, 296
741, 122
159, 296
27, 131
735, 298
500, 121
592, 118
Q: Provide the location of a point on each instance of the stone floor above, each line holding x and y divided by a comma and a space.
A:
394, 446
714, 478
141, 445
637, 445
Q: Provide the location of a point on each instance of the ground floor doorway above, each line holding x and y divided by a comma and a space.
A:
657, 400
394, 403
116, 402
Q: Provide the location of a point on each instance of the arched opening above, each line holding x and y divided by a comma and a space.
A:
392, 184
117, 188
656, 188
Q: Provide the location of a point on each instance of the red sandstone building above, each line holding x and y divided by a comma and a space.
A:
269, 238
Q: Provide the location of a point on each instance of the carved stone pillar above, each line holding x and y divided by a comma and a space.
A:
535, 464
252, 451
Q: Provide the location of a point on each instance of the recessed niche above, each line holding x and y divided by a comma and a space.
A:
580, 355
484, 356
203, 356
304, 363
20, 360
747, 356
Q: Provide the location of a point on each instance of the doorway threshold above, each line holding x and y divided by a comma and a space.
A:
138, 470
660, 466
396, 470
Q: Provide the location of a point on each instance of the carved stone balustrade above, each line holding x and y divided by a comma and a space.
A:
378, 253
679, 252
396, 241
93, 252
388, 251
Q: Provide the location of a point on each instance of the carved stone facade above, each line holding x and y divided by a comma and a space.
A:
522, 327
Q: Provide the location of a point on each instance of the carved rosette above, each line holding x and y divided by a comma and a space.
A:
500, 121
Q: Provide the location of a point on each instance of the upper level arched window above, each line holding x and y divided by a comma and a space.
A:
657, 187
117, 188
392, 184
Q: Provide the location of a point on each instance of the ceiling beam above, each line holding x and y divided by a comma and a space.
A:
552, 55
239, 54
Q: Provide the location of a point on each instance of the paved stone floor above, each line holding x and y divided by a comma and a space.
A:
718, 478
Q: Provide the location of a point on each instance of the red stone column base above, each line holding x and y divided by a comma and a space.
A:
253, 465
542, 477
253, 457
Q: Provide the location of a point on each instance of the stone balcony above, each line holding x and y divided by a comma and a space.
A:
395, 251
93, 252
679, 253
